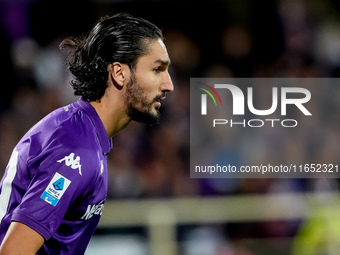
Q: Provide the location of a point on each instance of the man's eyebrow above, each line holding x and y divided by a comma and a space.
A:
163, 62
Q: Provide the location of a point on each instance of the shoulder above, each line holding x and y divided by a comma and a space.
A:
65, 140
66, 126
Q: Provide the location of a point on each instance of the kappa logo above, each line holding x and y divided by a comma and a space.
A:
74, 163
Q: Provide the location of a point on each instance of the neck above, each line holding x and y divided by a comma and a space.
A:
112, 114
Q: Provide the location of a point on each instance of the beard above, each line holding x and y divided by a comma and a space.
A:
138, 107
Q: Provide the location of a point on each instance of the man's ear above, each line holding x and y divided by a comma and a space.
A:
118, 72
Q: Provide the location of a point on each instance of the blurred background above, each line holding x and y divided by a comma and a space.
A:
153, 207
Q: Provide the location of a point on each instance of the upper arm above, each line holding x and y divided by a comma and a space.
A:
21, 239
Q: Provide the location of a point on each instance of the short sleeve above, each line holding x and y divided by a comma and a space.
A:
60, 174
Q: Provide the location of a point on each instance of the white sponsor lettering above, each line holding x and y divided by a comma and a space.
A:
101, 167
96, 209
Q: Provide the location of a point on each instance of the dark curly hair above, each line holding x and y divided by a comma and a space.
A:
118, 38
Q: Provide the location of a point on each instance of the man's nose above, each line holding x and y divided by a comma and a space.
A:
167, 85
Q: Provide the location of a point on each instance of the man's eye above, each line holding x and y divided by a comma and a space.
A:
157, 70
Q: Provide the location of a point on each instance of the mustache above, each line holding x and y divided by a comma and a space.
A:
159, 97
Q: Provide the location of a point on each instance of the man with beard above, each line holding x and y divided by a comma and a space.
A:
54, 188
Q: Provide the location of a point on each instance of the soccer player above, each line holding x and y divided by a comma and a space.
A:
54, 188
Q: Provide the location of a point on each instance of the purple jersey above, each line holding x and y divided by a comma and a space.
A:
56, 179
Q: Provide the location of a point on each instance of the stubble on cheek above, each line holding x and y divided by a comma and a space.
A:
138, 107
136, 98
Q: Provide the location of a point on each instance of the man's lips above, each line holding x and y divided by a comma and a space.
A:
158, 99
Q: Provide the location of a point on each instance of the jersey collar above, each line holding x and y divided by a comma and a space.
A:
104, 140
